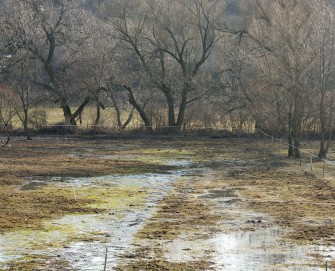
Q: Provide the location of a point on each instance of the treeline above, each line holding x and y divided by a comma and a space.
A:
175, 63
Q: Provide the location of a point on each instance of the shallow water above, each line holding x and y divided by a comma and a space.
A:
259, 250
244, 251
113, 230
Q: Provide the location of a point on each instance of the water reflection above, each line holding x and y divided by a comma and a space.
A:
259, 250
114, 231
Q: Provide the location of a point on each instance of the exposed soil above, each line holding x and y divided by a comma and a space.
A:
230, 186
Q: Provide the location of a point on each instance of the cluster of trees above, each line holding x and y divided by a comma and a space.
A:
174, 62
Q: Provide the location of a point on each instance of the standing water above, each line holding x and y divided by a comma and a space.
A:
113, 230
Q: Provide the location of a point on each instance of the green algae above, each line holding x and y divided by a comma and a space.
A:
52, 235
113, 198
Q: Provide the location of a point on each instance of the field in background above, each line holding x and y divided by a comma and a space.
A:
47, 116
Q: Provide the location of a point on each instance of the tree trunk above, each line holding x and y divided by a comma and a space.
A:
322, 150
124, 126
297, 141
182, 109
117, 110
290, 136
80, 109
25, 124
324, 147
69, 120
296, 137
290, 145
97, 118
139, 109
8, 129
171, 111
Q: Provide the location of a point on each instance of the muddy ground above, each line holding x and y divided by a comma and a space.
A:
164, 204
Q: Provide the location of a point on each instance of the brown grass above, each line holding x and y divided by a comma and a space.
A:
25, 159
265, 179
268, 183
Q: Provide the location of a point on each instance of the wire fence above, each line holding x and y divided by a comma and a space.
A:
307, 159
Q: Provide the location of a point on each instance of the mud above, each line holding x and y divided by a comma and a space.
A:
160, 205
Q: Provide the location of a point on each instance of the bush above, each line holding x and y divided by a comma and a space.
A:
38, 118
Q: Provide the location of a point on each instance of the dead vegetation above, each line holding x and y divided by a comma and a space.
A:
265, 182
26, 159
262, 180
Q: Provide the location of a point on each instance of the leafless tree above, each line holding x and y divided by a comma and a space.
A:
20, 78
284, 30
172, 40
324, 76
8, 100
51, 32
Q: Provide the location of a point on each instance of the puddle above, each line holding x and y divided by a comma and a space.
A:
118, 233
131, 180
243, 251
259, 250
113, 230
33, 185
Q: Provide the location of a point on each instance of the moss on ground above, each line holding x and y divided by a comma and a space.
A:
297, 199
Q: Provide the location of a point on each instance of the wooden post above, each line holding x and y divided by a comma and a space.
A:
312, 163
300, 158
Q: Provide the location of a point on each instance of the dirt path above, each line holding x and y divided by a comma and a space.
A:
164, 205
247, 208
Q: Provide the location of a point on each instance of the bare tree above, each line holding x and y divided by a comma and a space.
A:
172, 40
284, 29
20, 77
324, 77
50, 32
8, 100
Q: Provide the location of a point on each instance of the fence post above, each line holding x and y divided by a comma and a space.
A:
323, 168
311, 162
300, 158
106, 253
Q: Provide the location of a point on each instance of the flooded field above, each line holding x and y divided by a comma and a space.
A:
162, 205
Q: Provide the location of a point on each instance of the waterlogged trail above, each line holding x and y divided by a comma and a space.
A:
220, 208
80, 240
228, 237
217, 227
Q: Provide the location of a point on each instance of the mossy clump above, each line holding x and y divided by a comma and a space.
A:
38, 263
27, 209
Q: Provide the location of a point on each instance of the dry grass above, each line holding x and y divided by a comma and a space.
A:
25, 159
266, 181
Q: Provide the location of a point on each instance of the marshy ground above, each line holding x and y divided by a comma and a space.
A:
164, 204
